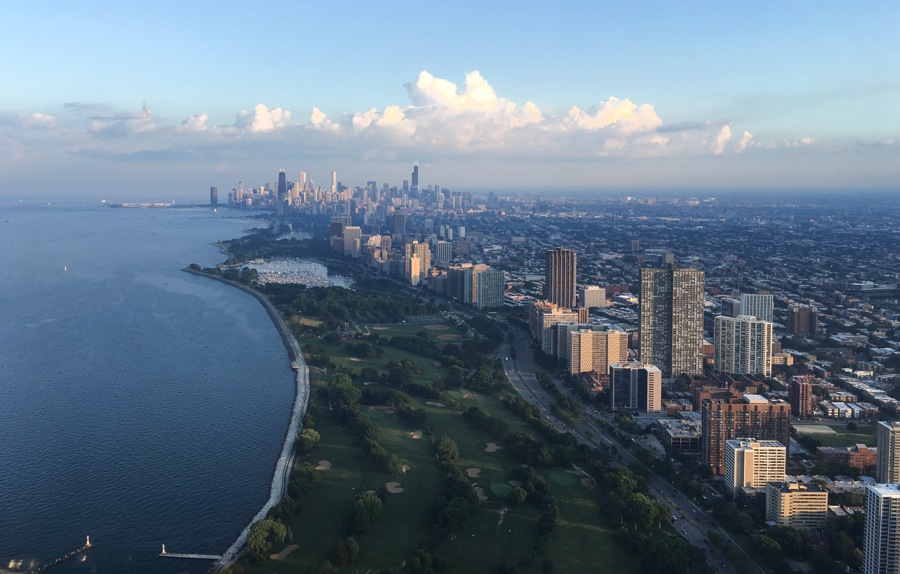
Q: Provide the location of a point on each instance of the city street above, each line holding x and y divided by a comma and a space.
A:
690, 520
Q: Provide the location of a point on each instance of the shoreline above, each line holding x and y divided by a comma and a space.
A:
282, 472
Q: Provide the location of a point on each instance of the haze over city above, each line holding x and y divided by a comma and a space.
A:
154, 101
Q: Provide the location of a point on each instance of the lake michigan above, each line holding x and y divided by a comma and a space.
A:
139, 404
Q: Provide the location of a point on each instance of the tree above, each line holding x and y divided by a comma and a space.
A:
263, 535
446, 449
365, 510
517, 495
306, 440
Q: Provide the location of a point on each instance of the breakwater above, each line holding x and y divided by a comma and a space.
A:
301, 398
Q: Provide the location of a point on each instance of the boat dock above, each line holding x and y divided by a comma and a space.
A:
165, 554
61, 559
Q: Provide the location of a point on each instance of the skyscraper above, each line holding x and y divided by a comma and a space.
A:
415, 178
759, 305
282, 186
418, 255
743, 345
461, 282
887, 466
588, 350
881, 550
491, 287
559, 280
671, 320
214, 196
635, 386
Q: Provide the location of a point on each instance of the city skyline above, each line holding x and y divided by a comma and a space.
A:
125, 103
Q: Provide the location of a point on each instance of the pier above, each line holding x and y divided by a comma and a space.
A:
61, 559
165, 554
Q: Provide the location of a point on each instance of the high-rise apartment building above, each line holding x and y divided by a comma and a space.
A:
887, 465
461, 283
797, 505
759, 305
731, 307
752, 463
743, 345
213, 196
635, 386
751, 415
591, 296
443, 251
418, 256
352, 237
881, 539
594, 351
802, 319
399, 228
559, 281
491, 287
542, 316
801, 397
671, 320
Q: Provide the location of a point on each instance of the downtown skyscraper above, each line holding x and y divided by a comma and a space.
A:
559, 280
671, 320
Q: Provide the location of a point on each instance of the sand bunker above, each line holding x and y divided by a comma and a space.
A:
380, 328
434, 404
449, 337
405, 468
575, 472
588, 482
385, 410
284, 553
468, 394
324, 465
480, 493
492, 447
354, 359
515, 483
473, 472
415, 434
437, 327
393, 487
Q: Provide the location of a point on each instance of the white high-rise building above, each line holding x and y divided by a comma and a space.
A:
743, 345
887, 465
760, 306
881, 546
753, 463
491, 286
443, 251
591, 296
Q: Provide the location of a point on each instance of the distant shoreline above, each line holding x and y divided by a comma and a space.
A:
282, 472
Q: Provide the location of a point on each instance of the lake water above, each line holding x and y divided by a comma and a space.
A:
139, 404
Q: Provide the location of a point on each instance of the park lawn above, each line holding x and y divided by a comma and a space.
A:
480, 544
433, 330
864, 434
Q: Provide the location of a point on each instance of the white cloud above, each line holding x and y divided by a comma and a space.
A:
745, 141
622, 115
195, 123
719, 140
123, 125
261, 119
37, 119
320, 122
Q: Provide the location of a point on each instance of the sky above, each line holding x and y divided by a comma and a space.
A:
151, 100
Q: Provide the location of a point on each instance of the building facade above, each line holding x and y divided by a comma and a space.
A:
591, 296
491, 285
801, 397
635, 386
802, 319
751, 415
671, 320
752, 463
887, 466
743, 345
881, 549
759, 305
559, 280
797, 505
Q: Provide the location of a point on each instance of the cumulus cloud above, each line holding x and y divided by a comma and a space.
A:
719, 140
320, 122
745, 141
623, 115
37, 119
195, 123
261, 119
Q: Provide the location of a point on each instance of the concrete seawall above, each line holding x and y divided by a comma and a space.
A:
301, 399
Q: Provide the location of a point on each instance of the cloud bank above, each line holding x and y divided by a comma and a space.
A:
439, 121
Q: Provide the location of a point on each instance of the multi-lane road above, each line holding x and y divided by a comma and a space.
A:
689, 519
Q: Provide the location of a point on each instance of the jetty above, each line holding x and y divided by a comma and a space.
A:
61, 559
165, 554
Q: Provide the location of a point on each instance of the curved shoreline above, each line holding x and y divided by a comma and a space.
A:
282, 471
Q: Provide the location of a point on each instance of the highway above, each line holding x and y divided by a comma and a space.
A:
690, 520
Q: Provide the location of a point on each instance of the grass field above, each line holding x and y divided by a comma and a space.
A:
580, 542
864, 434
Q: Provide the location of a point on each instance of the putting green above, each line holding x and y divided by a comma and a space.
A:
563, 478
501, 489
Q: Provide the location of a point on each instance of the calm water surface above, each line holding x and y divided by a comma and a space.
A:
138, 404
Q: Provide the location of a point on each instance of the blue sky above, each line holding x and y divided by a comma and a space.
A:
163, 98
